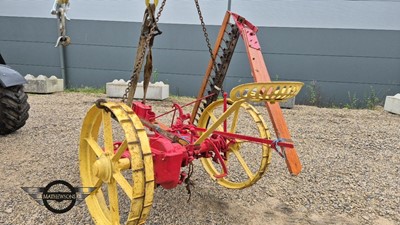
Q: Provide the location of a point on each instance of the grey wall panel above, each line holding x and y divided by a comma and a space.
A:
28, 29
100, 57
336, 69
79, 77
125, 34
180, 62
29, 53
333, 42
104, 33
188, 37
181, 84
340, 61
36, 70
342, 94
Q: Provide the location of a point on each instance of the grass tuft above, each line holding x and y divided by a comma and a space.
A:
91, 90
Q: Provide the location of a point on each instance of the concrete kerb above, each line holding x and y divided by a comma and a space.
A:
392, 104
43, 84
155, 91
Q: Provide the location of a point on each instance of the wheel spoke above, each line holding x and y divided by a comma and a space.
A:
242, 162
113, 201
94, 147
100, 197
107, 132
238, 114
120, 151
227, 158
124, 184
219, 121
102, 203
98, 184
214, 119
234, 121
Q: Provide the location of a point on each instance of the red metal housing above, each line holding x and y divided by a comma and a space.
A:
167, 158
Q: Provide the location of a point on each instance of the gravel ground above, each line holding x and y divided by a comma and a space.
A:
350, 171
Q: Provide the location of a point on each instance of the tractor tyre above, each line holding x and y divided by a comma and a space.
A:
14, 108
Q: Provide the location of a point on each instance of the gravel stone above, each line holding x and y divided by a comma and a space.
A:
350, 158
9, 210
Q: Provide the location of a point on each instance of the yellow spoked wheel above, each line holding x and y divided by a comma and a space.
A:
123, 187
246, 161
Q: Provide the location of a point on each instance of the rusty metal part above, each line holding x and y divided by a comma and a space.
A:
173, 138
147, 117
60, 9
215, 86
148, 70
212, 84
188, 182
147, 34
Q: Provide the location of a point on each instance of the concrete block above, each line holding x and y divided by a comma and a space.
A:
289, 104
392, 104
116, 89
155, 91
43, 85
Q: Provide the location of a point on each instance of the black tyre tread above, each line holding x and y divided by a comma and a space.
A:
14, 108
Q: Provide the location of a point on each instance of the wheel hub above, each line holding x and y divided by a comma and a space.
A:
103, 169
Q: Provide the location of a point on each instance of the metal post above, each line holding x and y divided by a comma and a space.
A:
229, 5
62, 66
60, 11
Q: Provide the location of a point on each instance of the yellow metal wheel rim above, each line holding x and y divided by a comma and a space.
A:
104, 169
209, 116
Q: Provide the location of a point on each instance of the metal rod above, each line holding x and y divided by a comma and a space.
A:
286, 144
229, 5
173, 110
225, 108
61, 33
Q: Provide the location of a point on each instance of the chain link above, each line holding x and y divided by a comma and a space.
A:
138, 63
203, 25
160, 10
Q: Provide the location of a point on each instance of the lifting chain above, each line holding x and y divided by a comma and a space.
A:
160, 10
188, 182
128, 95
205, 34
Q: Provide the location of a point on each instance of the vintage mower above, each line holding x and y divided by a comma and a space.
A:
126, 152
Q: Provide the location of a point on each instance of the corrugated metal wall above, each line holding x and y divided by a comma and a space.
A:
341, 62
